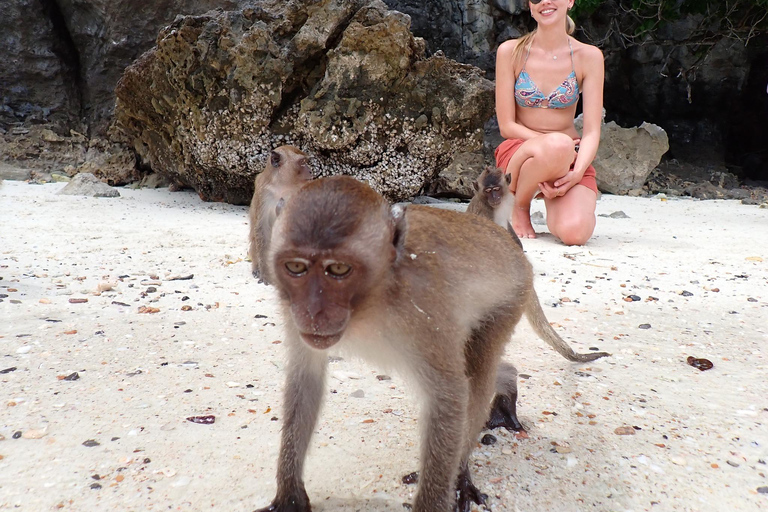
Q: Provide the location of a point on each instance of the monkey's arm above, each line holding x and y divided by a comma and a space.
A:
504, 408
304, 384
442, 439
514, 235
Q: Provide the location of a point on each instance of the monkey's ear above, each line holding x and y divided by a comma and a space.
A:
274, 159
476, 186
279, 206
397, 216
508, 178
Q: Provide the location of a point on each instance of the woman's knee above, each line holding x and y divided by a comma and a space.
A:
573, 229
556, 147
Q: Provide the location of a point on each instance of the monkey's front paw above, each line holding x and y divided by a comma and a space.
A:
467, 493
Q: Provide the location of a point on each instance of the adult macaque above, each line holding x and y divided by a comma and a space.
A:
433, 293
493, 200
286, 171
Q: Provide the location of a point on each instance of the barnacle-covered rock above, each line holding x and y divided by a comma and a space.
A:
345, 80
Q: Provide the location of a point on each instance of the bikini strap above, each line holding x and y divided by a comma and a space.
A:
527, 54
573, 64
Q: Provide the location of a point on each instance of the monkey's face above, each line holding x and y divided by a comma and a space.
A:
494, 195
323, 290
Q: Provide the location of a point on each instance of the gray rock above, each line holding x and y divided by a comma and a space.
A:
219, 91
14, 173
615, 215
456, 180
513, 7
87, 184
627, 156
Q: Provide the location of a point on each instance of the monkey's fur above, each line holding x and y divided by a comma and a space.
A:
493, 200
406, 289
286, 171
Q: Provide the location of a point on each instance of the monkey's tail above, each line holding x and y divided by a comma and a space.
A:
545, 331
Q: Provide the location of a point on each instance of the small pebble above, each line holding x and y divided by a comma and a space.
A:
686, 293
624, 431
203, 420
731, 463
16, 434
763, 489
644, 326
358, 394
95, 486
411, 478
700, 364
33, 434
24, 349
488, 440
91, 443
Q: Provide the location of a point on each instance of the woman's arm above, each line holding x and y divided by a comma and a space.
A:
505, 95
592, 98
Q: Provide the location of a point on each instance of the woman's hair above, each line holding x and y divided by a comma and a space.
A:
524, 42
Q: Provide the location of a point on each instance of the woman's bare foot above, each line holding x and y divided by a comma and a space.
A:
521, 222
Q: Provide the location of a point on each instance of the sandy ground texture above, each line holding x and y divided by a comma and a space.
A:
121, 318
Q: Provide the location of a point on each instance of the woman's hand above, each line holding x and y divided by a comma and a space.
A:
560, 186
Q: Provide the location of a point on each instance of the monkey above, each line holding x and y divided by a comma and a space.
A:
403, 287
493, 200
285, 172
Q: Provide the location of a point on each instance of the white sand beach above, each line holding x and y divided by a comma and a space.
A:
149, 299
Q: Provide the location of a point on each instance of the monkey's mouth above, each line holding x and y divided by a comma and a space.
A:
319, 341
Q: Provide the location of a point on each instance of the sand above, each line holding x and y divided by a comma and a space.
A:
174, 327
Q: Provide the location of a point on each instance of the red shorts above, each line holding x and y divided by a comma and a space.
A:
507, 148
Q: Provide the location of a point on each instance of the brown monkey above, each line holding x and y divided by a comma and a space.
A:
493, 200
286, 171
404, 288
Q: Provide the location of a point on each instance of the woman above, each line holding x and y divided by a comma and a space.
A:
543, 151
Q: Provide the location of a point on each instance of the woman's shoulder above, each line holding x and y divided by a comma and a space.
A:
508, 46
586, 51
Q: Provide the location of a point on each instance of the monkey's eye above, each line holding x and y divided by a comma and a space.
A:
338, 269
296, 268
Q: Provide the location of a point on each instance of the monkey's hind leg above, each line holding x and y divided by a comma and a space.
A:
304, 384
483, 351
504, 407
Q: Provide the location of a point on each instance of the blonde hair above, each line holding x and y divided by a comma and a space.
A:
524, 42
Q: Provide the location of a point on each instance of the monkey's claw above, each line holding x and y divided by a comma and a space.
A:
467, 493
504, 414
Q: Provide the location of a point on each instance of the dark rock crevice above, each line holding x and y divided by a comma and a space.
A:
65, 49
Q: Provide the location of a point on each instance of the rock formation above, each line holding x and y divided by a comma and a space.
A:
627, 156
344, 80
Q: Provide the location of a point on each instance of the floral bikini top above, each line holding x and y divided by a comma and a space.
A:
527, 93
